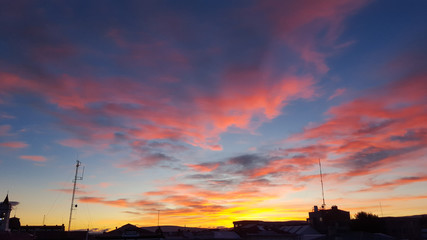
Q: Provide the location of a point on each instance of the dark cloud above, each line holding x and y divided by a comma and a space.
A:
371, 157
411, 135
374, 127
224, 182
172, 146
147, 160
368, 156
200, 176
248, 161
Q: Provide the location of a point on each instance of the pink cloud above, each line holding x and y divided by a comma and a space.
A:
338, 92
6, 116
34, 158
124, 203
13, 144
105, 184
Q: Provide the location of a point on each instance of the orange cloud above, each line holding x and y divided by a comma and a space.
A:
207, 167
124, 203
70, 190
114, 203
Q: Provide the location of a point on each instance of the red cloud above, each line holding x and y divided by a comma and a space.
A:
34, 158
13, 144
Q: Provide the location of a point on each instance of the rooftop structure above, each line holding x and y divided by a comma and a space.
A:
5, 209
329, 220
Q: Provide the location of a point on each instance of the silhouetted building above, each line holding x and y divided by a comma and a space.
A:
245, 223
42, 228
329, 221
408, 227
215, 234
5, 209
260, 230
7, 235
129, 231
14, 224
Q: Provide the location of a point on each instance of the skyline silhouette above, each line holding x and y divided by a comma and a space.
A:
321, 224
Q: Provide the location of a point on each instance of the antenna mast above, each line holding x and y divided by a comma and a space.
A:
321, 182
76, 177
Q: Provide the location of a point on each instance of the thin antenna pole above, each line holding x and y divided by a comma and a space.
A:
158, 218
74, 192
321, 182
381, 207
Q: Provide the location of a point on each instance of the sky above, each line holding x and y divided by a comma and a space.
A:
203, 113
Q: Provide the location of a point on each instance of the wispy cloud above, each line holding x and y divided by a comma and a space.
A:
13, 144
395, 183
34, 158
204, 167
338, 92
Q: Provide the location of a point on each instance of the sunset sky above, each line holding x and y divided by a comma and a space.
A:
212, 111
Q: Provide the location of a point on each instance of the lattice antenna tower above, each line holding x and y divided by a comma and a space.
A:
321, 182
76, 178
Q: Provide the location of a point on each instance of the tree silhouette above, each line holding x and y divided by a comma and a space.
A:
367, 222
364, 215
